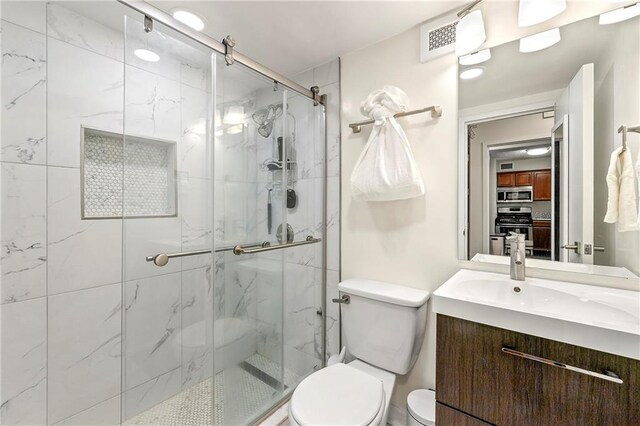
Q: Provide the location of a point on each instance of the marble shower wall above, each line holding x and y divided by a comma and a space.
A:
303, 265
68, 315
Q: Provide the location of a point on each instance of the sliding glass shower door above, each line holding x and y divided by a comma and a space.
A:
167, 175
222, 170
268, 193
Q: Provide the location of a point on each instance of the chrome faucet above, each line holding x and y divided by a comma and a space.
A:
517, 251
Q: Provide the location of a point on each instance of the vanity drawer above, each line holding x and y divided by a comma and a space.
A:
447, 416
474, 375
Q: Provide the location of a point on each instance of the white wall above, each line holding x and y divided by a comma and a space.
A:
414, 242
411, 242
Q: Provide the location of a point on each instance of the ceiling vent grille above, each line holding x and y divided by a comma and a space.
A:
506, 166
438, 37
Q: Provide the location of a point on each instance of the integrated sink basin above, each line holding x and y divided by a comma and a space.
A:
600, 318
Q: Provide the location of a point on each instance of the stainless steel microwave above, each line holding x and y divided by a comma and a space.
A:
519, 194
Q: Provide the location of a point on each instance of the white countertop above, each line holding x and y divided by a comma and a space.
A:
599, 318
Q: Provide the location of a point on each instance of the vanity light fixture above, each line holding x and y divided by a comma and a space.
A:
538, 151
619, 15
539, 41
471, 73
470, 33
532, 12
189, 18
147, 55
476, 57
234, 115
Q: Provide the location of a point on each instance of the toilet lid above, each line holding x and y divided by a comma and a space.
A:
337, 395
422, 405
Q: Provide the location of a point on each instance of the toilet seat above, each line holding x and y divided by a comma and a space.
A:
338, 395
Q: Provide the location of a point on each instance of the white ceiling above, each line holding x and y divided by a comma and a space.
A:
293, 36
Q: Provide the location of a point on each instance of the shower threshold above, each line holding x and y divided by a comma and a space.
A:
254, 383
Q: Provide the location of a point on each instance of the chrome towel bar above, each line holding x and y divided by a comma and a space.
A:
436, 111
239, 250
606, 375
161, 259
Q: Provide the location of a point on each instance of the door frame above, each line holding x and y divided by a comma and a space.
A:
563, 229
512, 108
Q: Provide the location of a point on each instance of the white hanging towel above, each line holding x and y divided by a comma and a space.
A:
622, 204
386, 169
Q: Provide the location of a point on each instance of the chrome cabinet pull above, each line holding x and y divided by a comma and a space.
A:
240, 250
607, 375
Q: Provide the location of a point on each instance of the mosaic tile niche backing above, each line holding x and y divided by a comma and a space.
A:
133, 176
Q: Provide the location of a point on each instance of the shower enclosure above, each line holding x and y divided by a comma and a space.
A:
183, 221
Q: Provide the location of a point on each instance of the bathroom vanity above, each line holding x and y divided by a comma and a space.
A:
535, 352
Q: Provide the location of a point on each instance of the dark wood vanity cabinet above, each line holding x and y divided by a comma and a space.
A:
476, 379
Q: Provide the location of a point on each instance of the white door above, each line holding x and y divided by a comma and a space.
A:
576, 168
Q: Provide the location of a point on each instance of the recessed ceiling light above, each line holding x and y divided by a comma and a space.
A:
189, 18
471, 73
532, 12
475, 58
619, 15
538, 151
146, 55
540, 41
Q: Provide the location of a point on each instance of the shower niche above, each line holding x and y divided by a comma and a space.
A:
125, 175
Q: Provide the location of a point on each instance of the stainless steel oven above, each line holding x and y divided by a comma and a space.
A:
519, 194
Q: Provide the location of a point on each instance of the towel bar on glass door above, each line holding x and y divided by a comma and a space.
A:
436, 111
239, 250
161, 259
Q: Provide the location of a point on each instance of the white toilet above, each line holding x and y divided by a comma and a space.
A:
383, 327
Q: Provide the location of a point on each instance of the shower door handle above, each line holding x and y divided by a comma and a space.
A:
161, 259
240, 250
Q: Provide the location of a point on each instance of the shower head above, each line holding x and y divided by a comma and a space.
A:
264, 118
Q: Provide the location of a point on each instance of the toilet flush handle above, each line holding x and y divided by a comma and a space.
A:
344, 299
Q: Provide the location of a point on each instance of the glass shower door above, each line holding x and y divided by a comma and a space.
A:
167, 203
215, 157
269, 191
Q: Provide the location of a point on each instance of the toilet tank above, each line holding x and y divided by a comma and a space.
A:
383, 324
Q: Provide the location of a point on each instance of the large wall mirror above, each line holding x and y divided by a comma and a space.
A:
537, 131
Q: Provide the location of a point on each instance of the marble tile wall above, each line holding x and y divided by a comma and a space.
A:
72, 307
303, 265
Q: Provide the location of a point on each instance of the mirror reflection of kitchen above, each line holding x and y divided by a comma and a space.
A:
539, 127
518, 165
